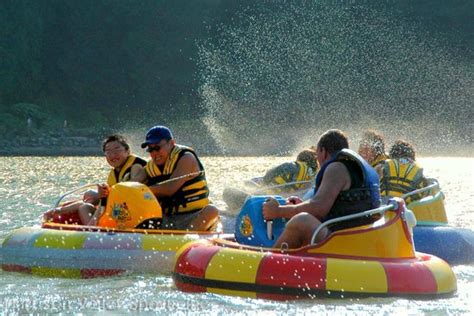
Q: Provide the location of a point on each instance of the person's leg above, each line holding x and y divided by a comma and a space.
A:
205, 218
67, 208
86, 212
299, 230
196, 221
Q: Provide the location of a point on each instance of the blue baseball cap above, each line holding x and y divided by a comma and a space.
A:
156, 134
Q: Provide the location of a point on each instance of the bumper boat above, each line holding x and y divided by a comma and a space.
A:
63, 248
371, 260
432, 233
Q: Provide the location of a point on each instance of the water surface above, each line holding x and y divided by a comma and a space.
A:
29, 185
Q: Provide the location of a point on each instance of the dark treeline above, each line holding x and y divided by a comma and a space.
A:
100, 63
83, 60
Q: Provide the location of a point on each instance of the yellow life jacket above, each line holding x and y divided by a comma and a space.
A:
286, 173
192, 196
123, 174
401, 176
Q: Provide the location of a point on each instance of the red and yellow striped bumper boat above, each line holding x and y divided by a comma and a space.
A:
373, 260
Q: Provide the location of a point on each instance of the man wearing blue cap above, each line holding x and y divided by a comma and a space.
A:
176, 176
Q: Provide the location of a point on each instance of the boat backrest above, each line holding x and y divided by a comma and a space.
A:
390, 237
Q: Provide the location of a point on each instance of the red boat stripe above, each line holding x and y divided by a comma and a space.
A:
194, 262
289, 271
15, 268
400, 278
100, 273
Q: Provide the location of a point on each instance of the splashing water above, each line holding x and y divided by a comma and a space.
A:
284, 72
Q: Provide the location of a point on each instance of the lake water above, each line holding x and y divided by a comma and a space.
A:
29, 185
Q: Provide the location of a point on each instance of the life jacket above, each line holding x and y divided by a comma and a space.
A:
193, 194
363, 195
402, 176
296, 171
123, 174
379, 160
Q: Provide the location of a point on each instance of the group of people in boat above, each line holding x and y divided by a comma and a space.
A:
345, 182
174, 174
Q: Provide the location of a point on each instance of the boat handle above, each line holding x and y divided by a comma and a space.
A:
94, 185
71, 192
392, 205
425, 189
270, 230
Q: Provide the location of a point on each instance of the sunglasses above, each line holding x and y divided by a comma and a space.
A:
151, 149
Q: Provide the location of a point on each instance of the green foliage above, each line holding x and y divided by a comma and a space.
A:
39, 118
10, 125
91, 120
28, 110
101, 63
21, 40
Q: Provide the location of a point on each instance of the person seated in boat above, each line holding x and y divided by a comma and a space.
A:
401, 173
298, 172
177, 177
346, 184
125, 167
372, 149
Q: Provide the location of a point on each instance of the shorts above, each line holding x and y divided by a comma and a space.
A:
179, 221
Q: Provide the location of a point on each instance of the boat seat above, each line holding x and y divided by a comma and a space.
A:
380, 210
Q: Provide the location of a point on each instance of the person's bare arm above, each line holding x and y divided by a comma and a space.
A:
186, 165
336, 179
140, 175
137, 173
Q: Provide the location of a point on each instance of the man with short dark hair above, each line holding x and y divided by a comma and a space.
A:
345, 185
176, 176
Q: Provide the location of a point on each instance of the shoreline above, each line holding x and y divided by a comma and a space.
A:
65, 144
96, 152
79, 143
